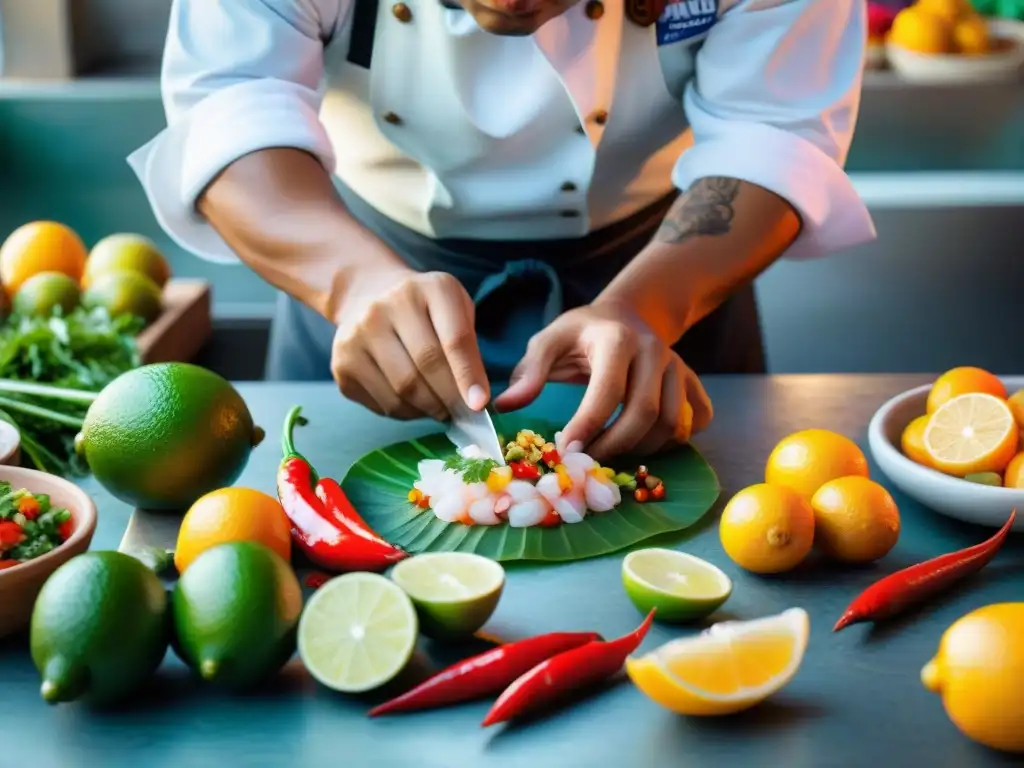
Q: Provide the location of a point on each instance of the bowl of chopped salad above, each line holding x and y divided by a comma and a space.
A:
44, 522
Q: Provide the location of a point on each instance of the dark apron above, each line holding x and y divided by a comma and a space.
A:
519, 287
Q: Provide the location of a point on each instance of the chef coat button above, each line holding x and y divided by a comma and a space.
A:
600, 117
569, 214
391, 117
594, 10
568, 187
401, 12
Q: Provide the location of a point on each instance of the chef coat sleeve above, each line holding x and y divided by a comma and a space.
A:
237, 77
773, 102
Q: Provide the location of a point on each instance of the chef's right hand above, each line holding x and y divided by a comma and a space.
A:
406, 345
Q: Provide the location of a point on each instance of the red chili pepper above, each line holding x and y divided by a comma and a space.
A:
568, 671
900, 590
65, 529
485, 673
324, 539
378, 552
11, 534
524, 470
29, 507
316, 580
551, 519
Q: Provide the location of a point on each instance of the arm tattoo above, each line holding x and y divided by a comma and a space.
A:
705, 209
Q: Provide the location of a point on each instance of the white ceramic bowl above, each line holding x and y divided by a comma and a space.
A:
1002, 65
972, 502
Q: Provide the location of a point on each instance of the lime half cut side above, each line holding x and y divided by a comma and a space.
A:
682, 587
455, 593
357, 632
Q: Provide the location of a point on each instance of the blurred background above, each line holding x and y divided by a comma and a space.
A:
938, 157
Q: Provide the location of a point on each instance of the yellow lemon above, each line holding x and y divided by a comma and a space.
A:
963, 381
971, 37
917, 29
979, 673
1016, 403
806, 460
729, 668
970, 434
1014, 475
767, 528
949, 11
855, 520
912, 441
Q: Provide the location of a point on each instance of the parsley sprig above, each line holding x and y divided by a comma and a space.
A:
471, 470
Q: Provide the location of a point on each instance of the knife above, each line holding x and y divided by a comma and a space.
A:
468, 427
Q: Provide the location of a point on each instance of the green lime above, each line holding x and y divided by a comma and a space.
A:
985, 478
236, 610
125, 292
161, 436
455, 593
682, 587
99, 628
42, 293
357, 633
126, 251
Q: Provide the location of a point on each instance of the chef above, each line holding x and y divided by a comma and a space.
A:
447, 191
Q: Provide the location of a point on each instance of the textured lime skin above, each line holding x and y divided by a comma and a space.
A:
125, 292
672, 609
455, 621
161, 436
42, 293
99, 628
236, 614
127, 251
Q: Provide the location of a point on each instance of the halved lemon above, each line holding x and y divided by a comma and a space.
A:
728, 668
680, 586
455, 593
971, 433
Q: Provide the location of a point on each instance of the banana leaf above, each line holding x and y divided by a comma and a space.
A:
378, 486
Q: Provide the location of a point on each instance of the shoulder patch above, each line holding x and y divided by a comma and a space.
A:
682, 19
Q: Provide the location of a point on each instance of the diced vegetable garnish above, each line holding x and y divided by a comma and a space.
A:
30, 525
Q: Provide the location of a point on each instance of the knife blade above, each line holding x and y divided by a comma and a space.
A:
468, 427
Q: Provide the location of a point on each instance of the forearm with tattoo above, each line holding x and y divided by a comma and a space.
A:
717, 236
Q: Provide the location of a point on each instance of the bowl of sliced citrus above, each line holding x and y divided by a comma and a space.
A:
955, 445
948, 41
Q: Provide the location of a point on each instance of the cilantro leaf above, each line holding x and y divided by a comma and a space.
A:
471, 470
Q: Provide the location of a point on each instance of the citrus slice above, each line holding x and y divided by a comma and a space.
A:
680, 586
455, 593
971, 433
728, 668
357, 632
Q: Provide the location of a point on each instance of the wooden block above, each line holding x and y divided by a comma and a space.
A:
183, 328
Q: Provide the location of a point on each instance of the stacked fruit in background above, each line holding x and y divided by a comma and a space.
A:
44, 266
941, 27
971, 429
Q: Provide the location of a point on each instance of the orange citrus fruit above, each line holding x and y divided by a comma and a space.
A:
972, 433
42, 246
912, 441
971, 37
806, 460
767, 528
1014, 477
917, 29
949, 11
1016, 403
855, 520
962, 381
232, 514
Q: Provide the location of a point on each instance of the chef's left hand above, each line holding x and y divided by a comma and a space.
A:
625, 363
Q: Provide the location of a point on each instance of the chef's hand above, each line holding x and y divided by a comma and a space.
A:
625, 363
406, 345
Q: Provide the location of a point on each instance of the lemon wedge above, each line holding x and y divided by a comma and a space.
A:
972, 433
728, 668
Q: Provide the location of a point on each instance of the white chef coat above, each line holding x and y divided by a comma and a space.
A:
457, 133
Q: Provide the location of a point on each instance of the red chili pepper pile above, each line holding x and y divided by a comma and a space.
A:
898, 591
529, 673
324, 524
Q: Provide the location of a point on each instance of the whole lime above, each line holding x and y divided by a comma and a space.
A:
126, 252
125, 292
236, 613
99, 628
44, 292
161, 436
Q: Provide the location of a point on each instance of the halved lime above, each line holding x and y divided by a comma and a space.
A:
455, 593
357, 632
682, 587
